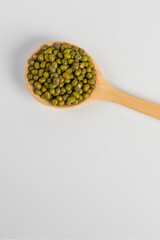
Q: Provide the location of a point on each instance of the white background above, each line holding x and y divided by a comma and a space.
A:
90, 172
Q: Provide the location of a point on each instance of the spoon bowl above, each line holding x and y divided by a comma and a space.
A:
103, 91
92, 96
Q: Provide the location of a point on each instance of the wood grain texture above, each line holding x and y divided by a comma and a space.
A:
103, 91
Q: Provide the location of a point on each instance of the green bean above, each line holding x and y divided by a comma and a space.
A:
38, 85
47, 95
38, 92
54, 102
46, 75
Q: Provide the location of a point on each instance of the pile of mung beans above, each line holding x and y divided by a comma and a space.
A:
62, 74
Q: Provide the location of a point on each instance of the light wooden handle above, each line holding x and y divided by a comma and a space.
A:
138, 104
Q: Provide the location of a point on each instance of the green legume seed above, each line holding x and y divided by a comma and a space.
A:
70, 61
48, 51
78, 57
65, 97
84, 58
63, 91
40, 72
57, 45
66, 51
44, 47
68, 87
31, 68
75, 94
61, 103
66, 75
81, 65
77, 88
90, 64
80, 83
51, 86
75, 102
84, 80
86, 95
73, 53
86, 64
93, 87
64, 61
59, 98
69, 92
63, 67
68, 103
46, 85
77, 72
74, 82
61, 85
35, 57
81, 51
80, 97
52, 69
83, 71
71, 99
80, 91
56, 52
89, 69
37, 85
43, 64
31, 81
48, 66
54, 64
42, 80
67, 81
61, 79
43, 89
60, 55
93, 72
58, 61
80, 78
58, 90
89, 75
49, 80
35, 77
54, 102
31, 62
38, 92
46, 75
34, 72
30, 76
46, 57
52, 91
67, 56
58, 71
76, 65
51, 57
69, 70
40, 58
89, 91
91, 81
53, 75
47, 95
56, 81
36, 65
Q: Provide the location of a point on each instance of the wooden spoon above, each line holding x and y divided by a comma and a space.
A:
103, 91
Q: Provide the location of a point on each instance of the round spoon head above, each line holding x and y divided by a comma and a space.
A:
92, 97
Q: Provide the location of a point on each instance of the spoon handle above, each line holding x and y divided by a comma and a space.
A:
138, 104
